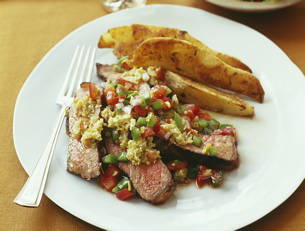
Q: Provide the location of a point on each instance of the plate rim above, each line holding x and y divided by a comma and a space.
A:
253, 6
249, 219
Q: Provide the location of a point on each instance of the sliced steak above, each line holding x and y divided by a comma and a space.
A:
81, 160
153, 182
223, 140
105, 72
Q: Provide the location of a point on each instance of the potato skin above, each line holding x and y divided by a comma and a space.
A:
198, 64
125, 39
206, 97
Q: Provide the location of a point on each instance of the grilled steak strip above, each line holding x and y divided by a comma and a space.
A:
153, 182
81, 160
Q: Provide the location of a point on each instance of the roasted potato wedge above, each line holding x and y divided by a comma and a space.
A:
125, 39
189, 91
198, 64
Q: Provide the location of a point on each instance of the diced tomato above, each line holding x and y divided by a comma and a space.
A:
176, 165
160, 73
124, 194
159, 93
112, 170
148, 132
193, 108
190, 115
126, 83
94, 91
203, 176
204, 115
139, 111
108, 182
157, 127
226, 133
126, 66
111, 97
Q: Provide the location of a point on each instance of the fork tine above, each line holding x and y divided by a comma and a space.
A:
75, 74
92, 58
63, 89
84, 66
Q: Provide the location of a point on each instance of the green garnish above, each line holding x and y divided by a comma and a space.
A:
197, 141
179, 121
157, 105
121, 185
132, 94
212, 151
152, 122
110, 159
203, 123
214, 124
135, 133
141, 122
122, 157
180, 109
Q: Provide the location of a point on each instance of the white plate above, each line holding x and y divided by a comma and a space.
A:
270, 145
240, 5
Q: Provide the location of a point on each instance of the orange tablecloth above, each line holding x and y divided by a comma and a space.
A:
28, 29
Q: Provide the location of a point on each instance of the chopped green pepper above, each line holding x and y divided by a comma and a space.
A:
152, 122
147, 100
197, 141
180, 109
157, 105
212, 151
123, 183
110, 159
122, 157
131, 94
179, 121
121, 93
203, 123
141, 122
135, 133
214, 124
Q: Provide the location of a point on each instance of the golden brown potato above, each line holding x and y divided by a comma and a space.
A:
198, 64
189, 91
125, 39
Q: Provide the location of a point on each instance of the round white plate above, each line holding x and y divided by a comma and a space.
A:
270, 145
245, 6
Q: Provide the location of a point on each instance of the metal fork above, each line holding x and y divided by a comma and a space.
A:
80, 70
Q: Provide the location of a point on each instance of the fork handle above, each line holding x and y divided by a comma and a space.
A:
31, 193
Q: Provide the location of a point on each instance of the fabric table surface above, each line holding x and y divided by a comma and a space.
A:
28, 29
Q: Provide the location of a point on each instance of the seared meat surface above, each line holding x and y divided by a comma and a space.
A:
81, 160
153, 182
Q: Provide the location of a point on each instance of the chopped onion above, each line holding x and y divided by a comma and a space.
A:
145, 77
127, 109
144, 90
135, 101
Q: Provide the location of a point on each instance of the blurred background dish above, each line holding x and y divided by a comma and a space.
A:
253, 6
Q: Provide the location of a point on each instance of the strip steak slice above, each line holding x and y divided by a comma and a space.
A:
153, 182
81, 160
